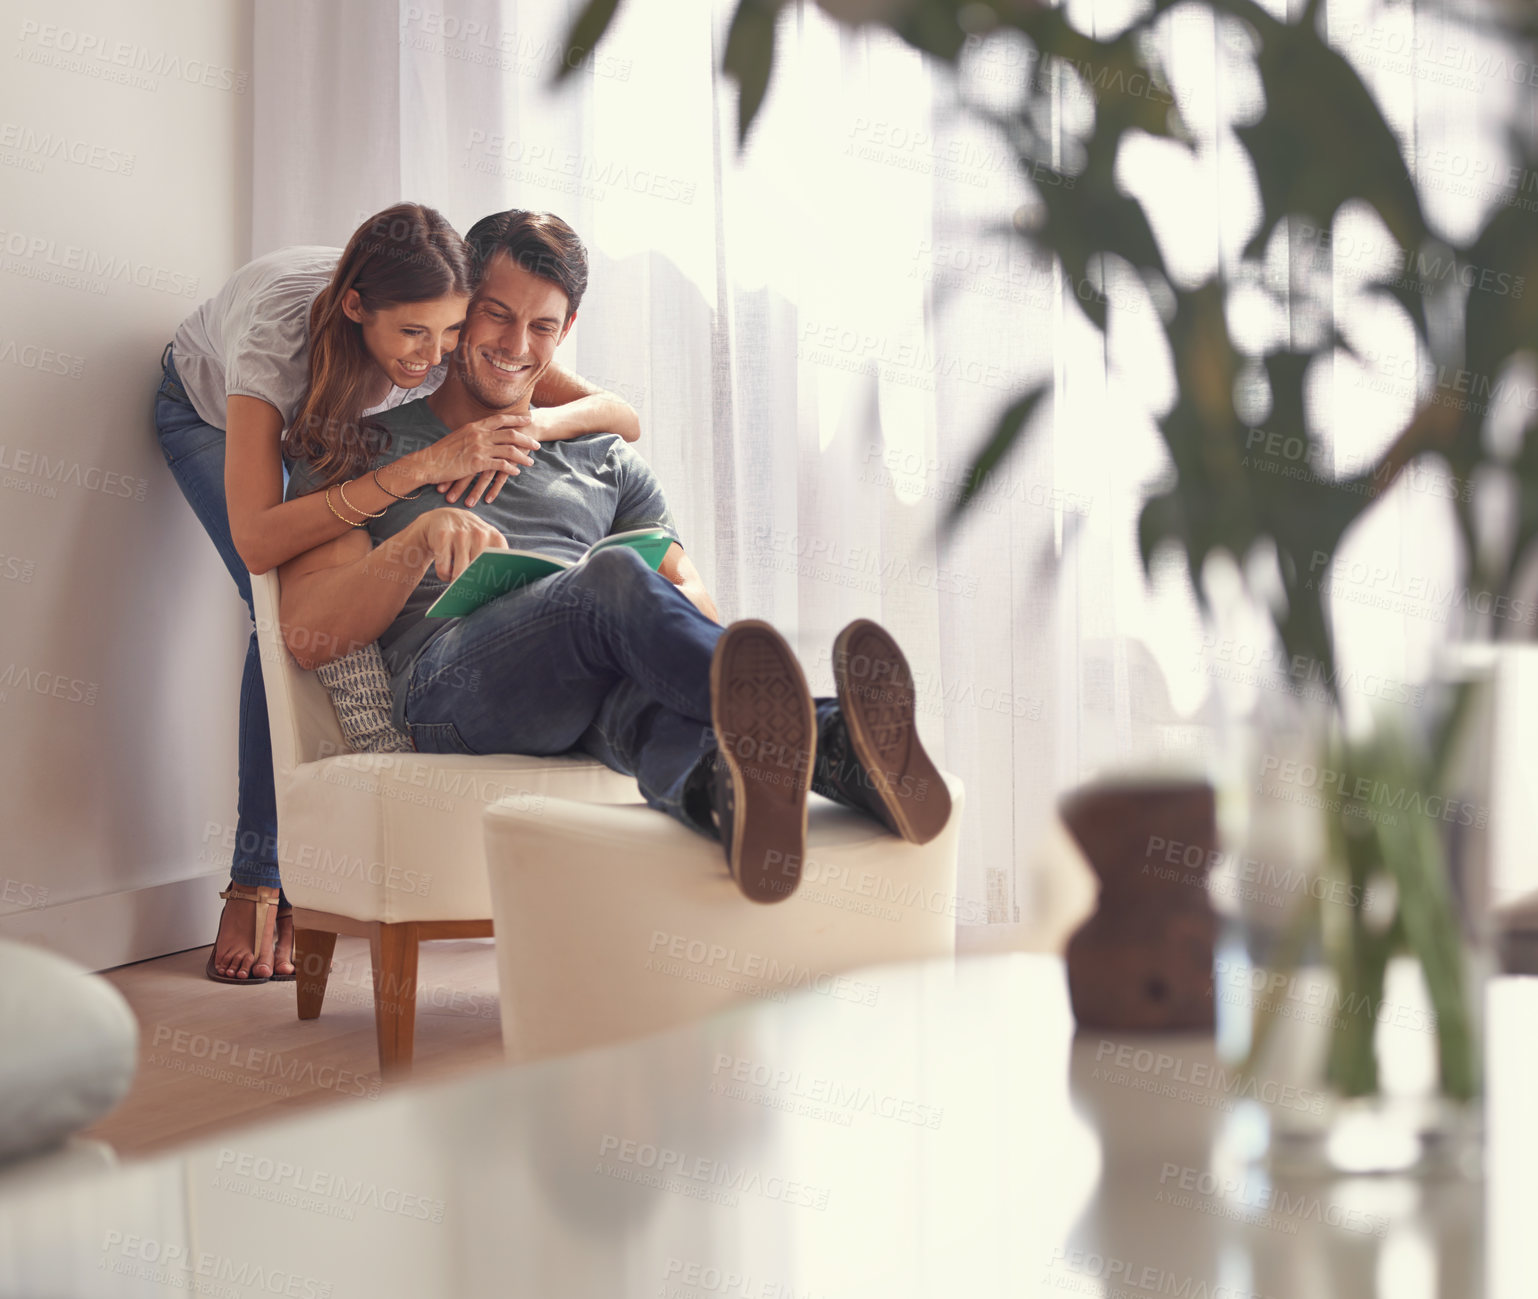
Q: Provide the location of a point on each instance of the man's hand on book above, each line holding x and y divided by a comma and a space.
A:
455, 537
485, 452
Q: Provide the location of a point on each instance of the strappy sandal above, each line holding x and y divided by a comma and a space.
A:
264, 898
284, 913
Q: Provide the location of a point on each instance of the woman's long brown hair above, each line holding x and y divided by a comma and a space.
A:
407, 253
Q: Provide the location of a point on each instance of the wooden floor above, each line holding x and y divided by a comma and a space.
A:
214, 1058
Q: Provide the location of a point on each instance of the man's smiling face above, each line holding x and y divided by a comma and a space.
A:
516, 321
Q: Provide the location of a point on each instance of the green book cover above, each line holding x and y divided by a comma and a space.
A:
496, 572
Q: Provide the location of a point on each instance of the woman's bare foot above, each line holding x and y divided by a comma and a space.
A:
283, 954
233, 956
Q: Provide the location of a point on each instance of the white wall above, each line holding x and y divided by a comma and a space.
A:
125, 161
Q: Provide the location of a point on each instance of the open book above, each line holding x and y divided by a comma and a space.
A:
496, 572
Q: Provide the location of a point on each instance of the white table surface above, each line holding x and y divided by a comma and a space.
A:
929, 1130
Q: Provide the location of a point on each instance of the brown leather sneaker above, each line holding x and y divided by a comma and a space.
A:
876, 698
766, 733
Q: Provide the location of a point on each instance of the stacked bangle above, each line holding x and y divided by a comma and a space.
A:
341, 490
327, 494
397, 496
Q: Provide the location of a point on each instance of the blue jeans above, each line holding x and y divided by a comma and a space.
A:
609, 659
195, 452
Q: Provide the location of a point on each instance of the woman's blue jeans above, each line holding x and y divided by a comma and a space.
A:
195, 452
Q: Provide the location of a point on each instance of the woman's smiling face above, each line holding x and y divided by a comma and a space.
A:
406, 340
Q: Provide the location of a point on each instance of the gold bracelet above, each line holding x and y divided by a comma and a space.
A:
388, 492
341, 490
360, 524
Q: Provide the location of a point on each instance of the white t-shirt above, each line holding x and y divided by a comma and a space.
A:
252, 338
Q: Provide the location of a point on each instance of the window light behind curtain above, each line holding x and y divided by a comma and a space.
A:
818, 334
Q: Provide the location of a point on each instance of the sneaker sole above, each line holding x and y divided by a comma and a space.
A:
766, 731
875, 692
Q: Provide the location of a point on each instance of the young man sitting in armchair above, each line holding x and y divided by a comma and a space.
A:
608, 658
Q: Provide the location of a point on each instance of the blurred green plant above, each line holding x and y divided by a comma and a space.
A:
1320, 143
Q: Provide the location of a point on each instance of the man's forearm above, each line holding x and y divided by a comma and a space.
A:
328, 612
695, 592
678, 570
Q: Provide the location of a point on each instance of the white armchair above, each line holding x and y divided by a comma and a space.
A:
387, 846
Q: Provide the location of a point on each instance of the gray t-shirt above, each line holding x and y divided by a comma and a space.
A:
576, 492
252, 338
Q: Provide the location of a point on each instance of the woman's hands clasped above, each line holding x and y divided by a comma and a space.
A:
481, 456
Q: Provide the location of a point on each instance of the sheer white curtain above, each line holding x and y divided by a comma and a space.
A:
819, 332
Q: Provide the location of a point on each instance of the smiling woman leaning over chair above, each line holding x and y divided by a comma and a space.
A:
291, 354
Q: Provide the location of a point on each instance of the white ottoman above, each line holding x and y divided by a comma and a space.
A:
616, 921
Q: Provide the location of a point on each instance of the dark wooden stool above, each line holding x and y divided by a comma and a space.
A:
1143, 961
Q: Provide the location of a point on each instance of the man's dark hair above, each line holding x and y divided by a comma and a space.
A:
541, 243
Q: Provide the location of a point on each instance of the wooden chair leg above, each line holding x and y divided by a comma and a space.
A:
394, 949
312, 967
